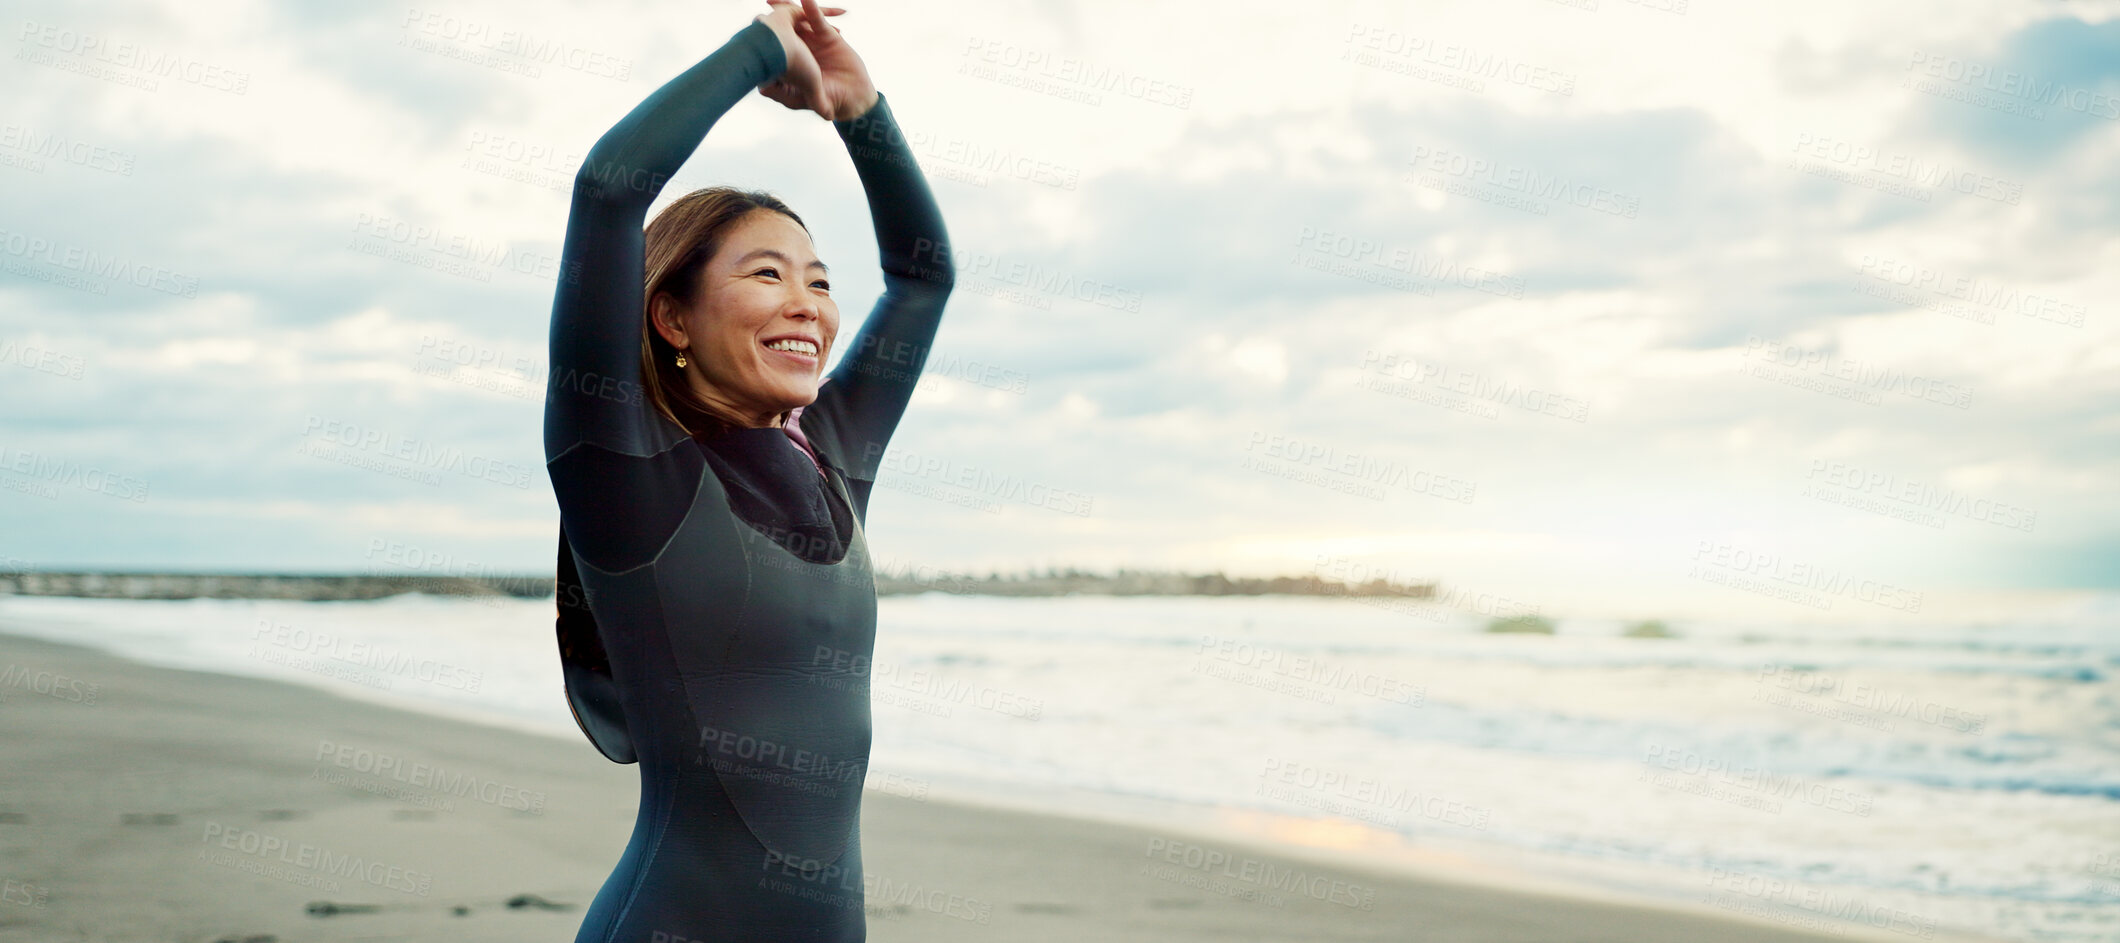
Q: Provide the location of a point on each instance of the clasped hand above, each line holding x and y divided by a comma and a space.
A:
823, 75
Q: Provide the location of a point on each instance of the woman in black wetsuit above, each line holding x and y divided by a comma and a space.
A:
730, 607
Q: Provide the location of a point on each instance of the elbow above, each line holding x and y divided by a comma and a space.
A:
612, 180
589, 187
930, 265
928, 281
919, 284
940, 278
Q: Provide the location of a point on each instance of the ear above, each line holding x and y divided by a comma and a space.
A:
669, 320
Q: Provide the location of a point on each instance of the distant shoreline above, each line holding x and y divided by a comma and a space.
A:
359, 586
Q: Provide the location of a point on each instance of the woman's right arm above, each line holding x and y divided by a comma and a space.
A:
595, 395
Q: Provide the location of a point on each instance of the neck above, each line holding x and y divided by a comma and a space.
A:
735, 414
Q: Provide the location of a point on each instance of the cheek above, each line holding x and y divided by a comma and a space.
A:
730, 323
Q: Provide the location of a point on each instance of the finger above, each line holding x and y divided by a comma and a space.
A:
782, 95
811, 12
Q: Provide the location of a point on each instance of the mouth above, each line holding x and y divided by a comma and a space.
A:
795, 349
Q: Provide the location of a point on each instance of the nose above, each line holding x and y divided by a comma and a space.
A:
803, 303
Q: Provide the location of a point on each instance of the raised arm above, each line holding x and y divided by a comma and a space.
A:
866, 394
595, 393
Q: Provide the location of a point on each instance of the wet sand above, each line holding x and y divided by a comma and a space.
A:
146, 803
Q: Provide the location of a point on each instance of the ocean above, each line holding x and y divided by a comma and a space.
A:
1913, 778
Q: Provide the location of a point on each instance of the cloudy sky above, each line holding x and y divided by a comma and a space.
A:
1783, 308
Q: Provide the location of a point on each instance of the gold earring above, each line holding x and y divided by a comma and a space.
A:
680, 360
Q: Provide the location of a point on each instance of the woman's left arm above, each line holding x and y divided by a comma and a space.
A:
858, 409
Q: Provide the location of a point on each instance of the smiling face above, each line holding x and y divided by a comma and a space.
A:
761, 323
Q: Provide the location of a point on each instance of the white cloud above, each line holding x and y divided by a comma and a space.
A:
1628, 248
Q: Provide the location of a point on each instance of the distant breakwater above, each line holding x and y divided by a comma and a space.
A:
337, 587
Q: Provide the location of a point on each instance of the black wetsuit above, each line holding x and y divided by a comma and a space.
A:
724, 657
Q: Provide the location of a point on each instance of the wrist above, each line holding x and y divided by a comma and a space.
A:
771, 46
865, 110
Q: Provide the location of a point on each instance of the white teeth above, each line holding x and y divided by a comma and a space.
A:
794, 346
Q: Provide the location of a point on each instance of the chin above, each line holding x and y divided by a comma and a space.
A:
792, 399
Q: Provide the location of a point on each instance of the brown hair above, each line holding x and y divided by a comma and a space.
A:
680, 241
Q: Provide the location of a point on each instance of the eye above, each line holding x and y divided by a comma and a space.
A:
768, 270
821, 283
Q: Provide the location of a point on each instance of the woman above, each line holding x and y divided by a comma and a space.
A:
730, 609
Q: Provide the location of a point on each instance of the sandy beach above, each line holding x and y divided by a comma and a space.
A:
144, 803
